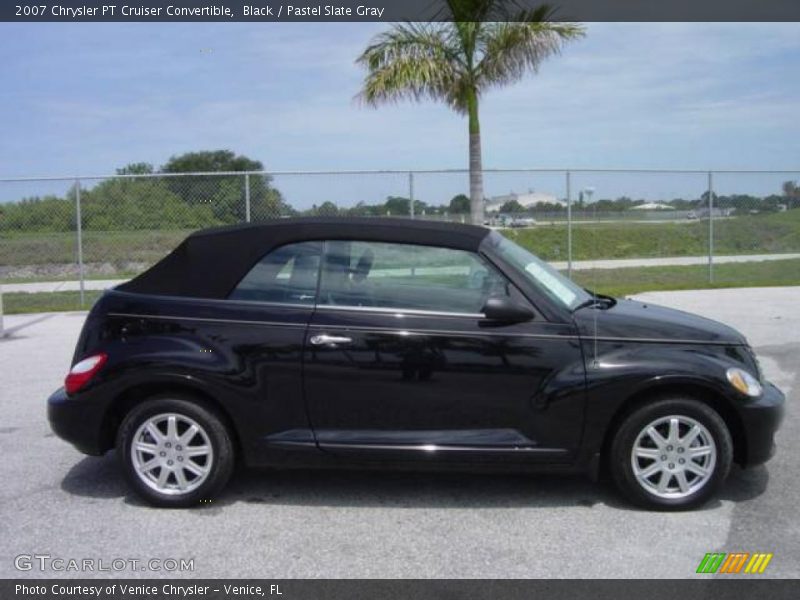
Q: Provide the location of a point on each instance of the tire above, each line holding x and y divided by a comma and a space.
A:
172, 466
669, 472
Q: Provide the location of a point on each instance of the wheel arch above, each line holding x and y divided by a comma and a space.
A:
691, 389
132, 396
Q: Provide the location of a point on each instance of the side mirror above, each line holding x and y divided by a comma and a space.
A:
506, 310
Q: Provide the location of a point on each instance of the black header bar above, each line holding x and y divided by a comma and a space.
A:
391, 10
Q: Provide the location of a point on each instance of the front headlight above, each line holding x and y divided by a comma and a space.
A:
744, 382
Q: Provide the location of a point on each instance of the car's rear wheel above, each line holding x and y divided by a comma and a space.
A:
673, 453
175, 452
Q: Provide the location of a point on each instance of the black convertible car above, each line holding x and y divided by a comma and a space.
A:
389, 342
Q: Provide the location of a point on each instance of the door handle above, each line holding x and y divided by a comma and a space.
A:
328, 340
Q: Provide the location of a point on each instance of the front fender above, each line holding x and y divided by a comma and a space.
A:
626, 371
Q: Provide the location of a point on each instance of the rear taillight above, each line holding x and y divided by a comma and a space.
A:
82, 372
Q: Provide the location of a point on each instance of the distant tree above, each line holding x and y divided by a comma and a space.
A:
225, 194
397, 205
361, 209
704, 198
774, 200
420, 207
139, 168
48, 213
512, 206
604, 204
624, 203
327, 209
211, 161
550, 206
740, 202
459, 205
125, 204
619, 204
681, 204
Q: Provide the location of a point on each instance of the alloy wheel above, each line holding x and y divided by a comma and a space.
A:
673, 456
172, 453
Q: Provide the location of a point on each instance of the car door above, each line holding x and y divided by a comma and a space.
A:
399, 360
264, 322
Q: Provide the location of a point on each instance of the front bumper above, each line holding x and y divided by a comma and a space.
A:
79, 421
760, 419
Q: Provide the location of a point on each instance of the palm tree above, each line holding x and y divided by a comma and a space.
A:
482, 45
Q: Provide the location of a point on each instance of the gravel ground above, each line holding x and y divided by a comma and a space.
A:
354, 524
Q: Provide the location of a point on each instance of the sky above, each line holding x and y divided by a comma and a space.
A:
87, 98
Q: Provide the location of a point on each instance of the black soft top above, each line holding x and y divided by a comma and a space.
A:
209, 263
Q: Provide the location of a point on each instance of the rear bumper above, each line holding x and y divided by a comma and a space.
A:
77, 420
761, 418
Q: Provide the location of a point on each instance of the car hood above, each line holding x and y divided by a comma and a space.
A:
644, 321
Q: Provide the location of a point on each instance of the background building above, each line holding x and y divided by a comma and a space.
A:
527, 200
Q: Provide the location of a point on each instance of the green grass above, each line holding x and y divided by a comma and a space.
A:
753, 234
18, 302
614, 282
115, 247
621, 282
72, 277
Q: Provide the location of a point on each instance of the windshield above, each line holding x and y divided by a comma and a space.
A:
544, 277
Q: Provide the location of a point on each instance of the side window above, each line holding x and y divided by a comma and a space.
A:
287, 274
406, 276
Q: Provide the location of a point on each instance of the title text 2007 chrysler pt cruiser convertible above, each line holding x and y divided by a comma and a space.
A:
388, 342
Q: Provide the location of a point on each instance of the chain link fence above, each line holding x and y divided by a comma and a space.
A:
63, 240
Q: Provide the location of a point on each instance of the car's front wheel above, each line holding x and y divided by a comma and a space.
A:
673, 453
175, 452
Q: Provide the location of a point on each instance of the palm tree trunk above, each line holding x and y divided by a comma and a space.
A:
475, 162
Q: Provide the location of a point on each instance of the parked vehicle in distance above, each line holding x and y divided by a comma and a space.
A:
397, 343
522, 222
